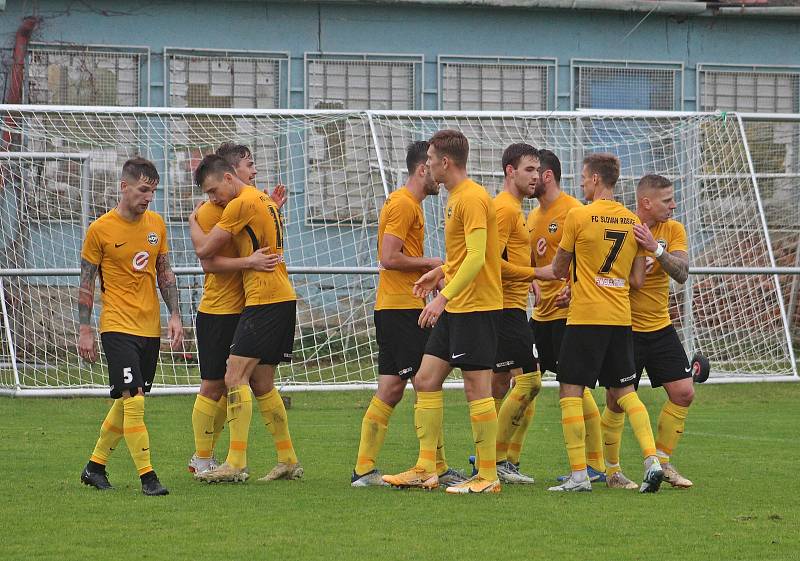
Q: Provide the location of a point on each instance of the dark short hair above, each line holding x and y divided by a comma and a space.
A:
549, 161
212, 165
604, 164
453, 144
652, 181
515, 152
233, 153
416, 154
140, 168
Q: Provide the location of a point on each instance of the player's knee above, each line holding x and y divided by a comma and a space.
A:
683, 396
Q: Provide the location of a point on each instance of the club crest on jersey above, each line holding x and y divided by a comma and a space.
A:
552, 228
140, 260
152, 238
449, 212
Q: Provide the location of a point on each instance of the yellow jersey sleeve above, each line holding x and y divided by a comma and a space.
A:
600, 237
223, 293
92, 250
237, 214
650, 304
402, 217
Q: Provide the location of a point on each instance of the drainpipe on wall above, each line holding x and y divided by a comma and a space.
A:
14, 94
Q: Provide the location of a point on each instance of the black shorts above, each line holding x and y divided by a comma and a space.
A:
266, 332
214, 337
592, 353
548, 336
466, 340
401, 342
515, 343
661, 354
131, 361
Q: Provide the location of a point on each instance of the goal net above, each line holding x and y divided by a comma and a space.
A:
59, 170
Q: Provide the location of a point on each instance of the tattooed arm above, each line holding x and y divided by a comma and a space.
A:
675, 264
86, 342
168, 286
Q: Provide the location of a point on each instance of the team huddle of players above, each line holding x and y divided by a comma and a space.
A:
599, 274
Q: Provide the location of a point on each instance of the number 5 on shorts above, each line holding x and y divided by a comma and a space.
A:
127, 376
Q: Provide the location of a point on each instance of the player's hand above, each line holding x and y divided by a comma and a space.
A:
278, 195
87, 346
536, 291
564, 297
434, 263
649, 262
262, 260
645, 237
432, 311
193, 215
175, 332
428, 282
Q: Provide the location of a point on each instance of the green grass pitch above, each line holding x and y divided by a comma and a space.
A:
740, 448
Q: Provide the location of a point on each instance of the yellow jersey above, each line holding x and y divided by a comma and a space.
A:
255, 222
600, 237
469, 207
514, 247
546, 228
402, 217
223, 293
650, 304
125, 254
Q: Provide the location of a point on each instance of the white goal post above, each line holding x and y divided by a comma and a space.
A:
59, 170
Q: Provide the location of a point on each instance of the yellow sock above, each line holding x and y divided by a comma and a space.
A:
511, 415
203, 414
136, 436
518, 437
498, 404
220, 416
273, 411
373, 432
111, 433
483, 417
240, 412
574, 431
671, 423
640, 422
428, 413
441, 461
613, 424
594, 434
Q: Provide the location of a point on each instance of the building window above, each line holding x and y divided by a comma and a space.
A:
59, 74
656, 86
748, 89
226, 79
496, 84
343, 182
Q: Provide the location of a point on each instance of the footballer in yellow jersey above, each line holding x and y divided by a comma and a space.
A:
546, 225
401, 341
599, 251
465, 316
265, 331
514, 339
218, 315
549, 319
656, 345
127, 248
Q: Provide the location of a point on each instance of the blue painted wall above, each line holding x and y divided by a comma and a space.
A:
431, 31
